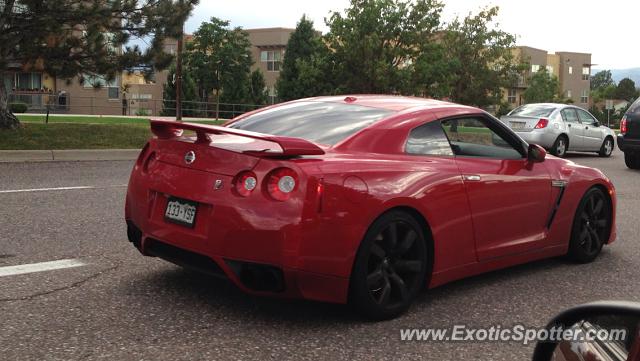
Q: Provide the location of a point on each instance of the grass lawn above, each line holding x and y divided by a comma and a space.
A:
96, 120
75, 136
79, 133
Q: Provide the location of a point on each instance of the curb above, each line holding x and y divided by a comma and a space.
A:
67, 155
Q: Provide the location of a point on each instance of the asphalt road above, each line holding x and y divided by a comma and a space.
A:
122, 306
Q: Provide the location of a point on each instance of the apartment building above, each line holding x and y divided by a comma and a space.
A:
267, 49
572, 70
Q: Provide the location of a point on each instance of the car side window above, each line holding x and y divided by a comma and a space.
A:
472, 137
569, 115
428, 139
585, 117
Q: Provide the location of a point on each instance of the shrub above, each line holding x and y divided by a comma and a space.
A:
141, 112
18, 107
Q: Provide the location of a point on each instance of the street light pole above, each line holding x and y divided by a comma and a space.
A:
179, 77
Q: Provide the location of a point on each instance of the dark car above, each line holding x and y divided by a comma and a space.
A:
629, 137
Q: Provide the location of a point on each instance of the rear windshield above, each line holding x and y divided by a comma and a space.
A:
635, 107
320, 122
533, 110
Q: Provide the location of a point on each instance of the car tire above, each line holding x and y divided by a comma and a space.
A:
632, 160
560, 146
390, 267
607, 147
591, 226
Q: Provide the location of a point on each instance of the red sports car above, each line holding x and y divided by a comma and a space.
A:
360, 199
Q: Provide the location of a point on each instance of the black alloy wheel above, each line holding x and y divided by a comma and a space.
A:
390, 267
591, 226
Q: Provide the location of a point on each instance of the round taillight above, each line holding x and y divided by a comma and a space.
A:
245, 183
281, 183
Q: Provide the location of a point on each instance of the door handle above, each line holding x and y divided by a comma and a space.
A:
471, 177
569, 125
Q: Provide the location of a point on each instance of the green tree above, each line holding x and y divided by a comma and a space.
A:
602, 80
257, 88
375, 43
305, 66
543, 88
220, 58
189, 94
627, 90
482, 63
65, 38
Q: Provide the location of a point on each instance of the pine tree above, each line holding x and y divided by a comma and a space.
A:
67, 38
303, 73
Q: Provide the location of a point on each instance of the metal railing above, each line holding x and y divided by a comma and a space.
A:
65, 103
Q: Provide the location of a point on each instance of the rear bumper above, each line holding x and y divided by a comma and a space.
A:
540, 137
264, 279
628, 145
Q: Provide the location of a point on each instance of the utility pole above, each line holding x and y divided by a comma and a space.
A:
179, 77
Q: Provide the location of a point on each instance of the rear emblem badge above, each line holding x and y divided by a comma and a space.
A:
190, 157
218, 184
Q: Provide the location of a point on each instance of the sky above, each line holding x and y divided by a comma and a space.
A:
608, 30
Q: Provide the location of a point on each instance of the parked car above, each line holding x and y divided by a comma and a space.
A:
629, 137
360, 199
561, 128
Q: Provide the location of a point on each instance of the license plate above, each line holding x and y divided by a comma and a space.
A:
517, 125
181, 211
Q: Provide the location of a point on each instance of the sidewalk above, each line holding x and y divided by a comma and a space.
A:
67, 155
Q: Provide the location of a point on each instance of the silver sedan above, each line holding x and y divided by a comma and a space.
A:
561, 128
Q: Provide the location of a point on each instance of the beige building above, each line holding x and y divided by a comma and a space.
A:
267, 48
130, 93
573, 71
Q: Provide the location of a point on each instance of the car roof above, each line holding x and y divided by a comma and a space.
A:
391, 102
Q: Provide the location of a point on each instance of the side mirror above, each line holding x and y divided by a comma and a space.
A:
596, 123
536, 153
594, 331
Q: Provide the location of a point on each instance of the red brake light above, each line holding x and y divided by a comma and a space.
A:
623, 125
281, 183
542, 123
245, 183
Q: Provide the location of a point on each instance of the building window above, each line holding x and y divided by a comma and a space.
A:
586, 72
272, 58
550, 69
99, 81
511, 96
570, 70
535, 68
114, 92
170, 49
568, 93
584, 97
272, 94
28, 81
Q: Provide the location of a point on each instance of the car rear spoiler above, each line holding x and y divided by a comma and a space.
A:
168, 129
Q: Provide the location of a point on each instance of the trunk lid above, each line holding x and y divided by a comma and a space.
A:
633, 121
221, 150
521, 123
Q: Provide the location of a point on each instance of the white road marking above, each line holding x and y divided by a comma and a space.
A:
40, 267
58, 189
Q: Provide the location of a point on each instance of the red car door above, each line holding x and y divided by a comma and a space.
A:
509, 196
